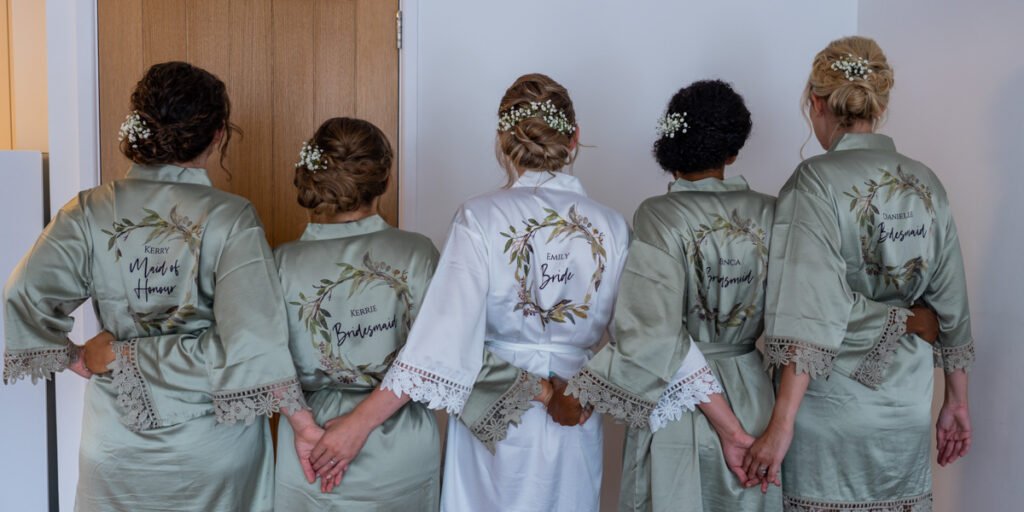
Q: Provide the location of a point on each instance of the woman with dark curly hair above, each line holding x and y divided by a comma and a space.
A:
182, 273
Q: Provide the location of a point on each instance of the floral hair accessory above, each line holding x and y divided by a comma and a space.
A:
134, 129
311, 157
547, 111
854, 68
672, 123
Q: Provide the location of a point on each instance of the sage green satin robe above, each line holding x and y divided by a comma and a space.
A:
353, 290
167, 260
696, 268
861, 233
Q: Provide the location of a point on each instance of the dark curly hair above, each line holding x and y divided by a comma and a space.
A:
719, 124
357, 157
183, 106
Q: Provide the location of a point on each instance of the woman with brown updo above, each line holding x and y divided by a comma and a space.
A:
861, 221
353, 285
522, 294
182, 274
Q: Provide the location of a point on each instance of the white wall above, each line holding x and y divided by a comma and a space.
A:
621, 63
957, 107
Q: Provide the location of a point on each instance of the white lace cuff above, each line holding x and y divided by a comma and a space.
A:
508, 410
245, 405
38, 364
871, 370
606, 398
684, 396
435, 391
811, 359
952, 359
133, 393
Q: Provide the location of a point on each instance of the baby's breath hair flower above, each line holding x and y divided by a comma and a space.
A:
854, 68
133, 129
672, 123
547, 111
311, 157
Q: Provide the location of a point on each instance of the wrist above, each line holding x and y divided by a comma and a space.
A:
546, 392
302, 420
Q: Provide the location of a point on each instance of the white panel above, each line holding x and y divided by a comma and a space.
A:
23, 443
957, 107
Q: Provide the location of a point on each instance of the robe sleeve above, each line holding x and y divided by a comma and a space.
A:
444, 352
251, 368
946, 294
644, 365
874, 330
162, 380
49, 283
501, 395
808, 301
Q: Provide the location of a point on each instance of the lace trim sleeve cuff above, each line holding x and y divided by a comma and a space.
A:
951, 359
684, 395
813, 360
245, 405
871, 370
424, 386
593, 390
133, 394
509, 409
38, 364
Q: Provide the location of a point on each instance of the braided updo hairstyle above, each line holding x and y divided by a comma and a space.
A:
719, 124
863, 98
354, 169
183, 106
532, 144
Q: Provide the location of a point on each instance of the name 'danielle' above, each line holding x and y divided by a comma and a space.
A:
163, 268
342, 333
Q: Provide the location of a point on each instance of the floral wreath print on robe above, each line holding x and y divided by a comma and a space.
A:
735, 229
863, 204
175, 227
519, 248
314, 316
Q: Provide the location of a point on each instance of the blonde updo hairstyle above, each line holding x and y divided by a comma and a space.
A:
354, 170
532, 144
849, 100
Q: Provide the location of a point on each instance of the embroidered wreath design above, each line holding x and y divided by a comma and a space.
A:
519, 248
863, 205
733, 228
314, 316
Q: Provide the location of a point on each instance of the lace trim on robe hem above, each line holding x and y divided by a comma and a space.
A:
507, 410
954, 358
684, 396
871, 370
921, 503
813, 360
245, 405
426, 387
132, 391
593, 390
38, 364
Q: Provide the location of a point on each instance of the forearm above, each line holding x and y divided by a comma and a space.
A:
792, 387
378, 407
956, 387
720, 415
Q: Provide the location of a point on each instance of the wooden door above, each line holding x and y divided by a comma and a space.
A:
288, 65
6, 119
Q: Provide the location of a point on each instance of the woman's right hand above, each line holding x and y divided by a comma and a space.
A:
98, 352
764, 460
924, 323
565, 409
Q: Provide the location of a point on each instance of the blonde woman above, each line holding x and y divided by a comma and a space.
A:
862, 221
522, 293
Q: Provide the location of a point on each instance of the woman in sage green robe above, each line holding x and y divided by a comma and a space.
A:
861, 221
166, 259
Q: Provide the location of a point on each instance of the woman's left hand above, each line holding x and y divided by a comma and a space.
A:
98, 352
953, 433
343, 440
764, 460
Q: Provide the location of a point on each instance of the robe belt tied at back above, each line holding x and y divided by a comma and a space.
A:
713, 351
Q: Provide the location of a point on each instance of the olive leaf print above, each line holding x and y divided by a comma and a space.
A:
314, 315
733, 229
176, 227
520, 251
864, 205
